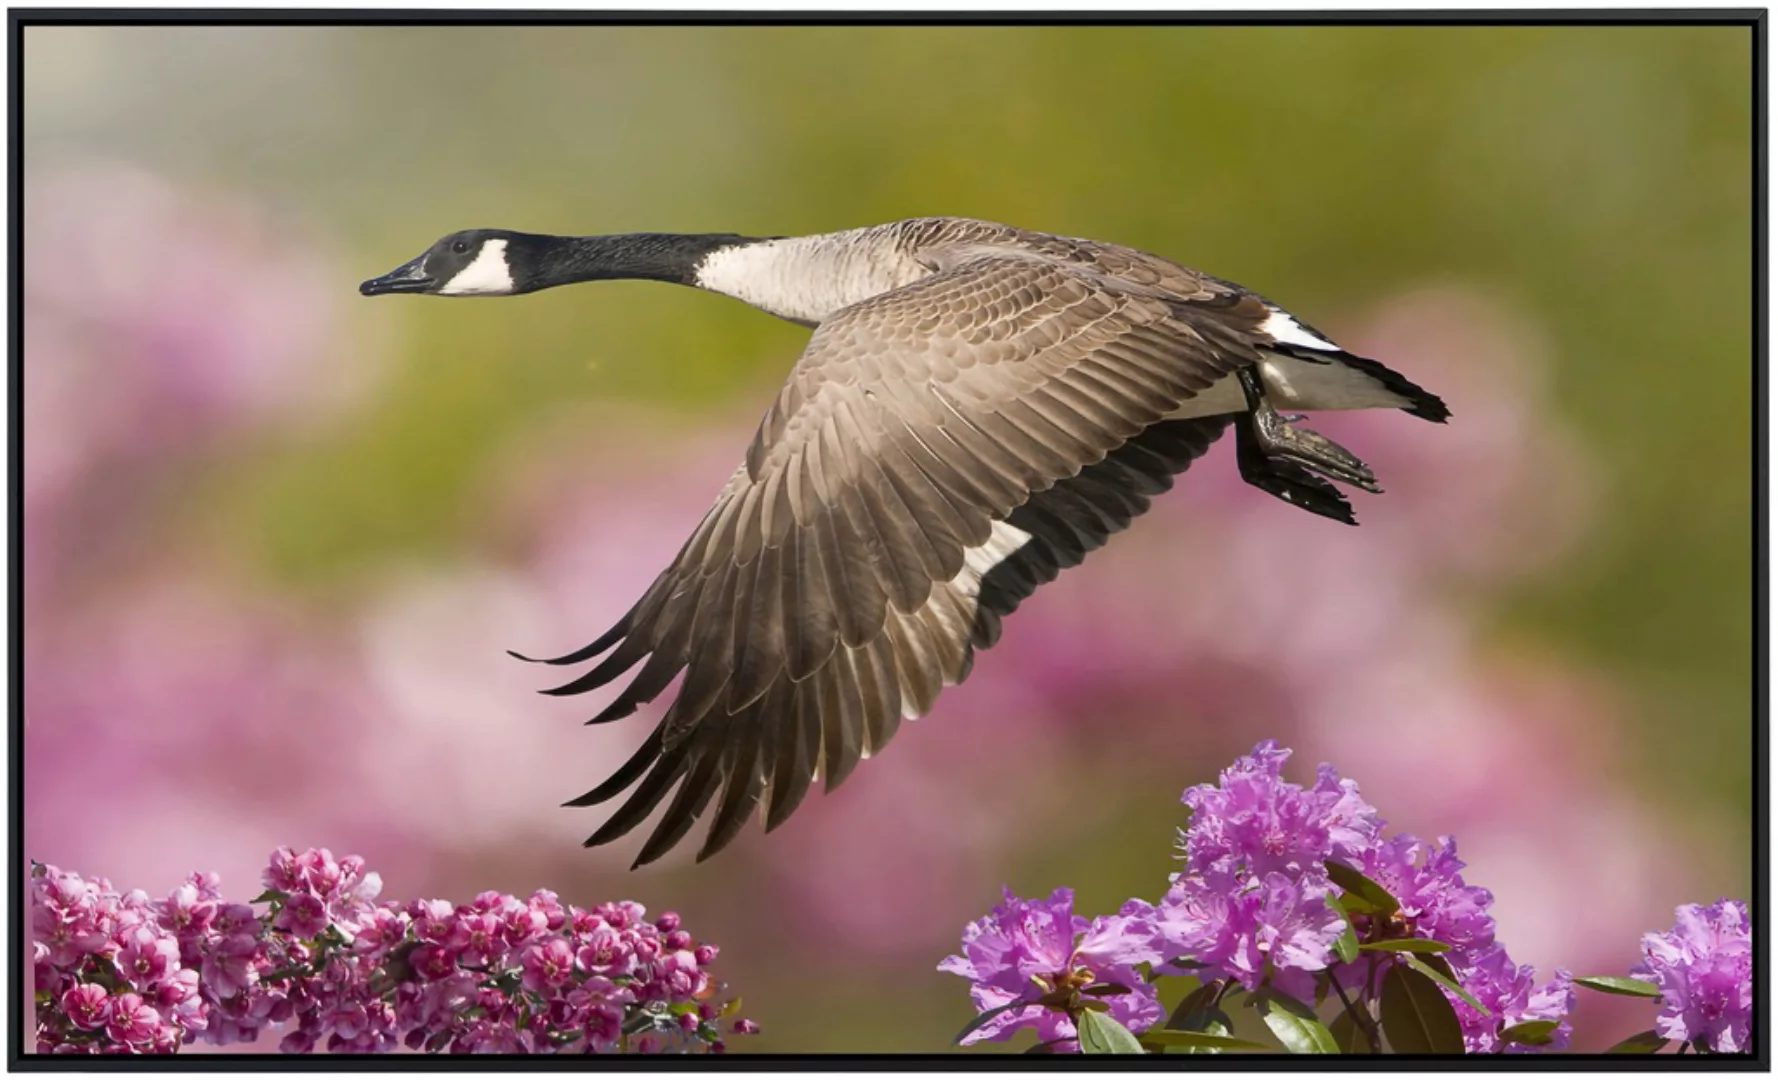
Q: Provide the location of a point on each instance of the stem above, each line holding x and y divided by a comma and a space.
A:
1361, 1017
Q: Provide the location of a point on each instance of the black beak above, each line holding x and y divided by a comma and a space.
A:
408, 277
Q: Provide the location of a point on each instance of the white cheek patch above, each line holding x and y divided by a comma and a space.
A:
1287, 331
488, 275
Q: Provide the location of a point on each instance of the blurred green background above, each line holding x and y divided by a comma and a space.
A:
1594, 180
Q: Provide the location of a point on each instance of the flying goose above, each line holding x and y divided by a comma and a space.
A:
977, 408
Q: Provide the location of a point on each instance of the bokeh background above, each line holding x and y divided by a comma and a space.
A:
278, 536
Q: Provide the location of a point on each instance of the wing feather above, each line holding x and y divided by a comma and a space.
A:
830, 592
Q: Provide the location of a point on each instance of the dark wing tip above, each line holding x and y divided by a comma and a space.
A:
587, 652
1429, 406
625, 775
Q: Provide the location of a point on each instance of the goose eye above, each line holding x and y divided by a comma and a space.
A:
461, 247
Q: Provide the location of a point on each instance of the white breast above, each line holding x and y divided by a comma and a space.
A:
807, 278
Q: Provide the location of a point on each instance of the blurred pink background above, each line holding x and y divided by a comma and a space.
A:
204, 395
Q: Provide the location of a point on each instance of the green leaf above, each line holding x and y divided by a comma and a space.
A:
1610, 984
1197, 1014
1531, 1032
1294, 1024
1441, 974
989, 1015
1417, 1016
1373, 896
1643, 1042
1106, 990
1348, 1035
1197, 1040
1347, 944
270, 896
1195, 1002
1100, 1034
1413, 945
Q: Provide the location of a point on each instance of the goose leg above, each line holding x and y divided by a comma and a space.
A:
1285, 461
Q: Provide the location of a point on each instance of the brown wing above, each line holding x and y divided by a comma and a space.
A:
870, 542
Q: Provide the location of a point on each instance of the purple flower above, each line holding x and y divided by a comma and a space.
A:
1256, 822
1040, 953
1704, 967
1237, 927
1513, 997
1435, 901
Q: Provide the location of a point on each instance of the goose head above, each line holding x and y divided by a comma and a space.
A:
499, 262
473, 262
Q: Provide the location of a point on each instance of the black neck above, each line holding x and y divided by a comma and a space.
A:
547, 261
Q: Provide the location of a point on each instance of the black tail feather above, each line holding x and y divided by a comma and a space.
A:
1425, 404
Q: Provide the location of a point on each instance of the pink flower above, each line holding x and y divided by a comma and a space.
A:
304, 915
144, 956
434, 961
380, 930
603, 1023
480, 932
548, 964
300, 1041
187, 911
605, 952
133, 1022
228, 968
237, 919
282, 873
434, 920
521, 924
545, 902
179, 1000
250, 972
87, 1006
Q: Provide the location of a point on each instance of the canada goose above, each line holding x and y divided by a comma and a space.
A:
978, 407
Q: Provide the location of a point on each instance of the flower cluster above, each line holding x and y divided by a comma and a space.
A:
1704, 969
330, 967
1253, 898
112, 970
1032, 961
1287, 894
